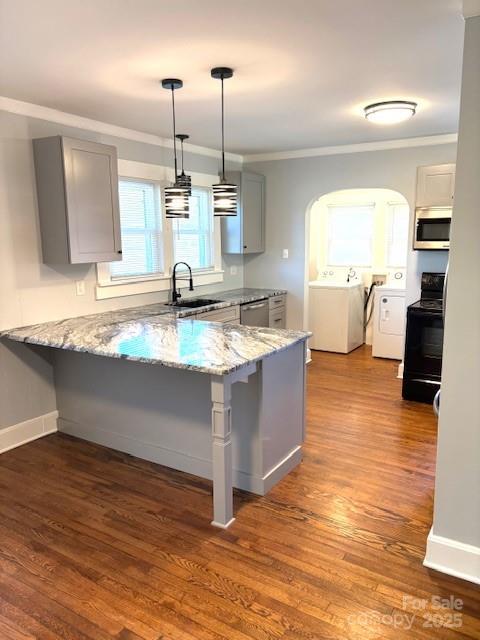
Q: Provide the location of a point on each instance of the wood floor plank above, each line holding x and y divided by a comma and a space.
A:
97, 544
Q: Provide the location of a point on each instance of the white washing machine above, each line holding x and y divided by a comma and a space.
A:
389, 316
336, 315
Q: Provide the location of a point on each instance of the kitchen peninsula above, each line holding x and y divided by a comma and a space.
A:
157, 384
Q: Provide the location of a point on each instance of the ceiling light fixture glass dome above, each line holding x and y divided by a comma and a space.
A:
390, 112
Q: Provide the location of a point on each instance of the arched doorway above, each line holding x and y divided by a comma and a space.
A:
363, 232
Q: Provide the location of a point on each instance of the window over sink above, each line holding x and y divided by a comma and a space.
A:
141, 230
151, 243
193, 237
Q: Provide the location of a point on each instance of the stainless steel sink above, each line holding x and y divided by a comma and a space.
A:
194, 303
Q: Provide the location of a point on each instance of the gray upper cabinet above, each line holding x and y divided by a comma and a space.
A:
245, 232
77, 190
435, 185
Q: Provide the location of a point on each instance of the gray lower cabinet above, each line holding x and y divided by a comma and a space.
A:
277, 318
245, 232
230, 315
277, 312
77, 190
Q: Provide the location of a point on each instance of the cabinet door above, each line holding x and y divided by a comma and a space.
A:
435, 185
245, 232
230, 315
91, 185
253, 206
275, 302
277, 318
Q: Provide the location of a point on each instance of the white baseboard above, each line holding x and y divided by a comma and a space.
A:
24, 432
452, 557
179, 460
281, 469
222, 526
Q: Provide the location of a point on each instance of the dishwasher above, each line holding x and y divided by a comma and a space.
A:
255, 314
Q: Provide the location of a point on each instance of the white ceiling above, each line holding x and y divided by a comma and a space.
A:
303, 68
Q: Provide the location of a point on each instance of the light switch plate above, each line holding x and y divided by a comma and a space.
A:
285, 254
80, 287
233, 270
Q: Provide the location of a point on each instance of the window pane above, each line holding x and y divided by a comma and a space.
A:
397, 238
192, 223
193, 237
140, 224
350, 232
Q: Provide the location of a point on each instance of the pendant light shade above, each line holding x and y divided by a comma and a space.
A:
176, 202
176, 197
225, 194
183, 180
224, 199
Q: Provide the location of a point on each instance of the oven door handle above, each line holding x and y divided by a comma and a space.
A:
436, 403
445, 289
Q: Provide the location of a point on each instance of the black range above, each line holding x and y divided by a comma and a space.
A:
424, 341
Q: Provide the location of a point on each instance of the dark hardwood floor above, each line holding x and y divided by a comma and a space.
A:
96, 544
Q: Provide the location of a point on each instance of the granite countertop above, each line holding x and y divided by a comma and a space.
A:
156, 334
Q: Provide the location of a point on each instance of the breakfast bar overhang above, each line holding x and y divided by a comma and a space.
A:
225, 402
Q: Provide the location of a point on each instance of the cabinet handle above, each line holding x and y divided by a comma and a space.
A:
255, 306
119, 251
244, 246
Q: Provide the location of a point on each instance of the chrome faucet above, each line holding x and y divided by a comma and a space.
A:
176, 294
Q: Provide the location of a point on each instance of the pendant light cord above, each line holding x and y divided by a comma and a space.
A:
181, 143
174, 132
223, 137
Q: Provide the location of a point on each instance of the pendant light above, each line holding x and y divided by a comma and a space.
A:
176, 197
224, 193
183, 180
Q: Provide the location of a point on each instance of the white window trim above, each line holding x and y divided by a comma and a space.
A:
387, 239
118, 287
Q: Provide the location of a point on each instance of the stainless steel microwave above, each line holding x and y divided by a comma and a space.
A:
432, 228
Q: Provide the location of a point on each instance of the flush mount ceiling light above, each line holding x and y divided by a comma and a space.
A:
390, 112
224, 193
176, 197
183, 180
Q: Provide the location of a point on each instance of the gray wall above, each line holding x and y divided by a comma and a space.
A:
293, 185
33, 292
457, 490
26, 383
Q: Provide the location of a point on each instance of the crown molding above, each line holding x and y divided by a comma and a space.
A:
71, 120
403, 143
471, 8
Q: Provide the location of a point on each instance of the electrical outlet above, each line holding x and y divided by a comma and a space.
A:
285, 254
233, 270
379, 278
80, 287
